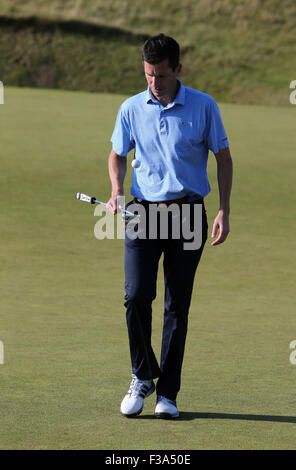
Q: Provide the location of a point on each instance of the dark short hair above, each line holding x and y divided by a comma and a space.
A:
159, 48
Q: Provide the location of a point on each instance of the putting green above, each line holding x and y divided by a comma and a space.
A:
66, 359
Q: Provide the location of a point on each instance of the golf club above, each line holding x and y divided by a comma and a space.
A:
93, 200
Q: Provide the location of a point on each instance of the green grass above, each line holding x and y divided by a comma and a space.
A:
67, 363
240, 53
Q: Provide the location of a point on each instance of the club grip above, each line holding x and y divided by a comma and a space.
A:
85, 198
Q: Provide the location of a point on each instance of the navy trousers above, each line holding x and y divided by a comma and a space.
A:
141, 267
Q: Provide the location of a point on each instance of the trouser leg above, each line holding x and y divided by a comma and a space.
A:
179, 271
141, 266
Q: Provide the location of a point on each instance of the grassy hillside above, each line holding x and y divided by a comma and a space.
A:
238, 51
69, 55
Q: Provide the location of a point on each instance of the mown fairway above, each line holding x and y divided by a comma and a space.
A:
67, 362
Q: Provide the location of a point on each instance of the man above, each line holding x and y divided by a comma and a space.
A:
172, 128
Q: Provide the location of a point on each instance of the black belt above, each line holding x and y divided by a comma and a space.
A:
179, 202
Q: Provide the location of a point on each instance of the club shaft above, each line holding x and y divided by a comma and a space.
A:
124, 210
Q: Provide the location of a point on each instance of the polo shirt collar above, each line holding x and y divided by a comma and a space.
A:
180, 98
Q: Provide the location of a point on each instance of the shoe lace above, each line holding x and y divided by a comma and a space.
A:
135, 386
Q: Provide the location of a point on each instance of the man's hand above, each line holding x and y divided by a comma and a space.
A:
114, 204
221, 224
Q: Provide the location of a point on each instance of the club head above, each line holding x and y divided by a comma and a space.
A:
130, 219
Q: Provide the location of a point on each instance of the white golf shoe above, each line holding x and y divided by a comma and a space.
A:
133, 402
166, 408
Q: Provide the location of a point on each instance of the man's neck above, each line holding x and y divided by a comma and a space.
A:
170, 97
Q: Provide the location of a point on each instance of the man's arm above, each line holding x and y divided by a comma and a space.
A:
224, 176
117, 171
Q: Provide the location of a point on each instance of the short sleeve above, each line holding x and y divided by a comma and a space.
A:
122, 140
216, 137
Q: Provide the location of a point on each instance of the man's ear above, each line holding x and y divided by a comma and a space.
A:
179, 68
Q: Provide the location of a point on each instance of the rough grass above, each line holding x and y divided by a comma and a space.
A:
239, 52
67, 363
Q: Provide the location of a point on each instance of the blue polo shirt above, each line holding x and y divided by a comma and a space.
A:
171, 142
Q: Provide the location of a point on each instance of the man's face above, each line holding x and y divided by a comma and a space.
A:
161, 78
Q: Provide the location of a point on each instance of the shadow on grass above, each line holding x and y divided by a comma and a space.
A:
189, 416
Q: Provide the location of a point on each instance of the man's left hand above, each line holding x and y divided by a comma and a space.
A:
221, 224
